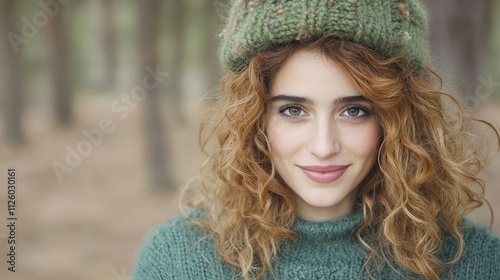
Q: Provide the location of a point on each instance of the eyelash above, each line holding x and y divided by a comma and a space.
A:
366, 111
360, 107
284, 108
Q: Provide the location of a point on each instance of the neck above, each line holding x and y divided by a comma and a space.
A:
320, 214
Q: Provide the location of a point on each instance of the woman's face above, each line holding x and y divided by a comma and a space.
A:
322, 134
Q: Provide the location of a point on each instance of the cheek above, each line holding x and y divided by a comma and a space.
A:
283, 139
365, 141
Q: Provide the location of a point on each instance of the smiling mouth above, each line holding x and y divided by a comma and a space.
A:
324, 174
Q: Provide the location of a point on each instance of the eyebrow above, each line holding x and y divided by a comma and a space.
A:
290, 98
299, 99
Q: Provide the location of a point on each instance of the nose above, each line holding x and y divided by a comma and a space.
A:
324, 139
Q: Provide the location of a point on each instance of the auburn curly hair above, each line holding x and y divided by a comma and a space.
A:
425, 181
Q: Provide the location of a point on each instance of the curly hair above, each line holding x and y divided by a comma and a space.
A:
425, 181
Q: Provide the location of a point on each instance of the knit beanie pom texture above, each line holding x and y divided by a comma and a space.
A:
389, 27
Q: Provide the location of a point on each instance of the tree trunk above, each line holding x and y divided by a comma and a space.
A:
494, 62
159, 164
459, 40
177, 66
109, 43
213, 13
13, 103
59, 49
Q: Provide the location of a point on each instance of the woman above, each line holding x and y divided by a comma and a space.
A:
334, 155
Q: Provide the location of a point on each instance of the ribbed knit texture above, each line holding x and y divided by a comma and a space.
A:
326, 250
389, 27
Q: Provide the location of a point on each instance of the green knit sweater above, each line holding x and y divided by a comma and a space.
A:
324, 250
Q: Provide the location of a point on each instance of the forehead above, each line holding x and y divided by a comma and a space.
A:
311, 74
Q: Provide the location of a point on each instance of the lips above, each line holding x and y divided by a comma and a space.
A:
324, 174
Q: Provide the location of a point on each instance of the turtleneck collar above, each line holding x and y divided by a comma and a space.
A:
328, 230
323, 250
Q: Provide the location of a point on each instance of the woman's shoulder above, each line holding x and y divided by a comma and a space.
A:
481, 255
483, 242
178, 229
179, 235
176, 250
479, 237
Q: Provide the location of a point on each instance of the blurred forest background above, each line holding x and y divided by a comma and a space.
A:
100, 103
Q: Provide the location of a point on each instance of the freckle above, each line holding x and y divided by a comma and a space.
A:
281, 11
353, 1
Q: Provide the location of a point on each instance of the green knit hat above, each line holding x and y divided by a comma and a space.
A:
389, 27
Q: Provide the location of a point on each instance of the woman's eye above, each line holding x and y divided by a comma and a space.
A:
292, 111
354, 112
